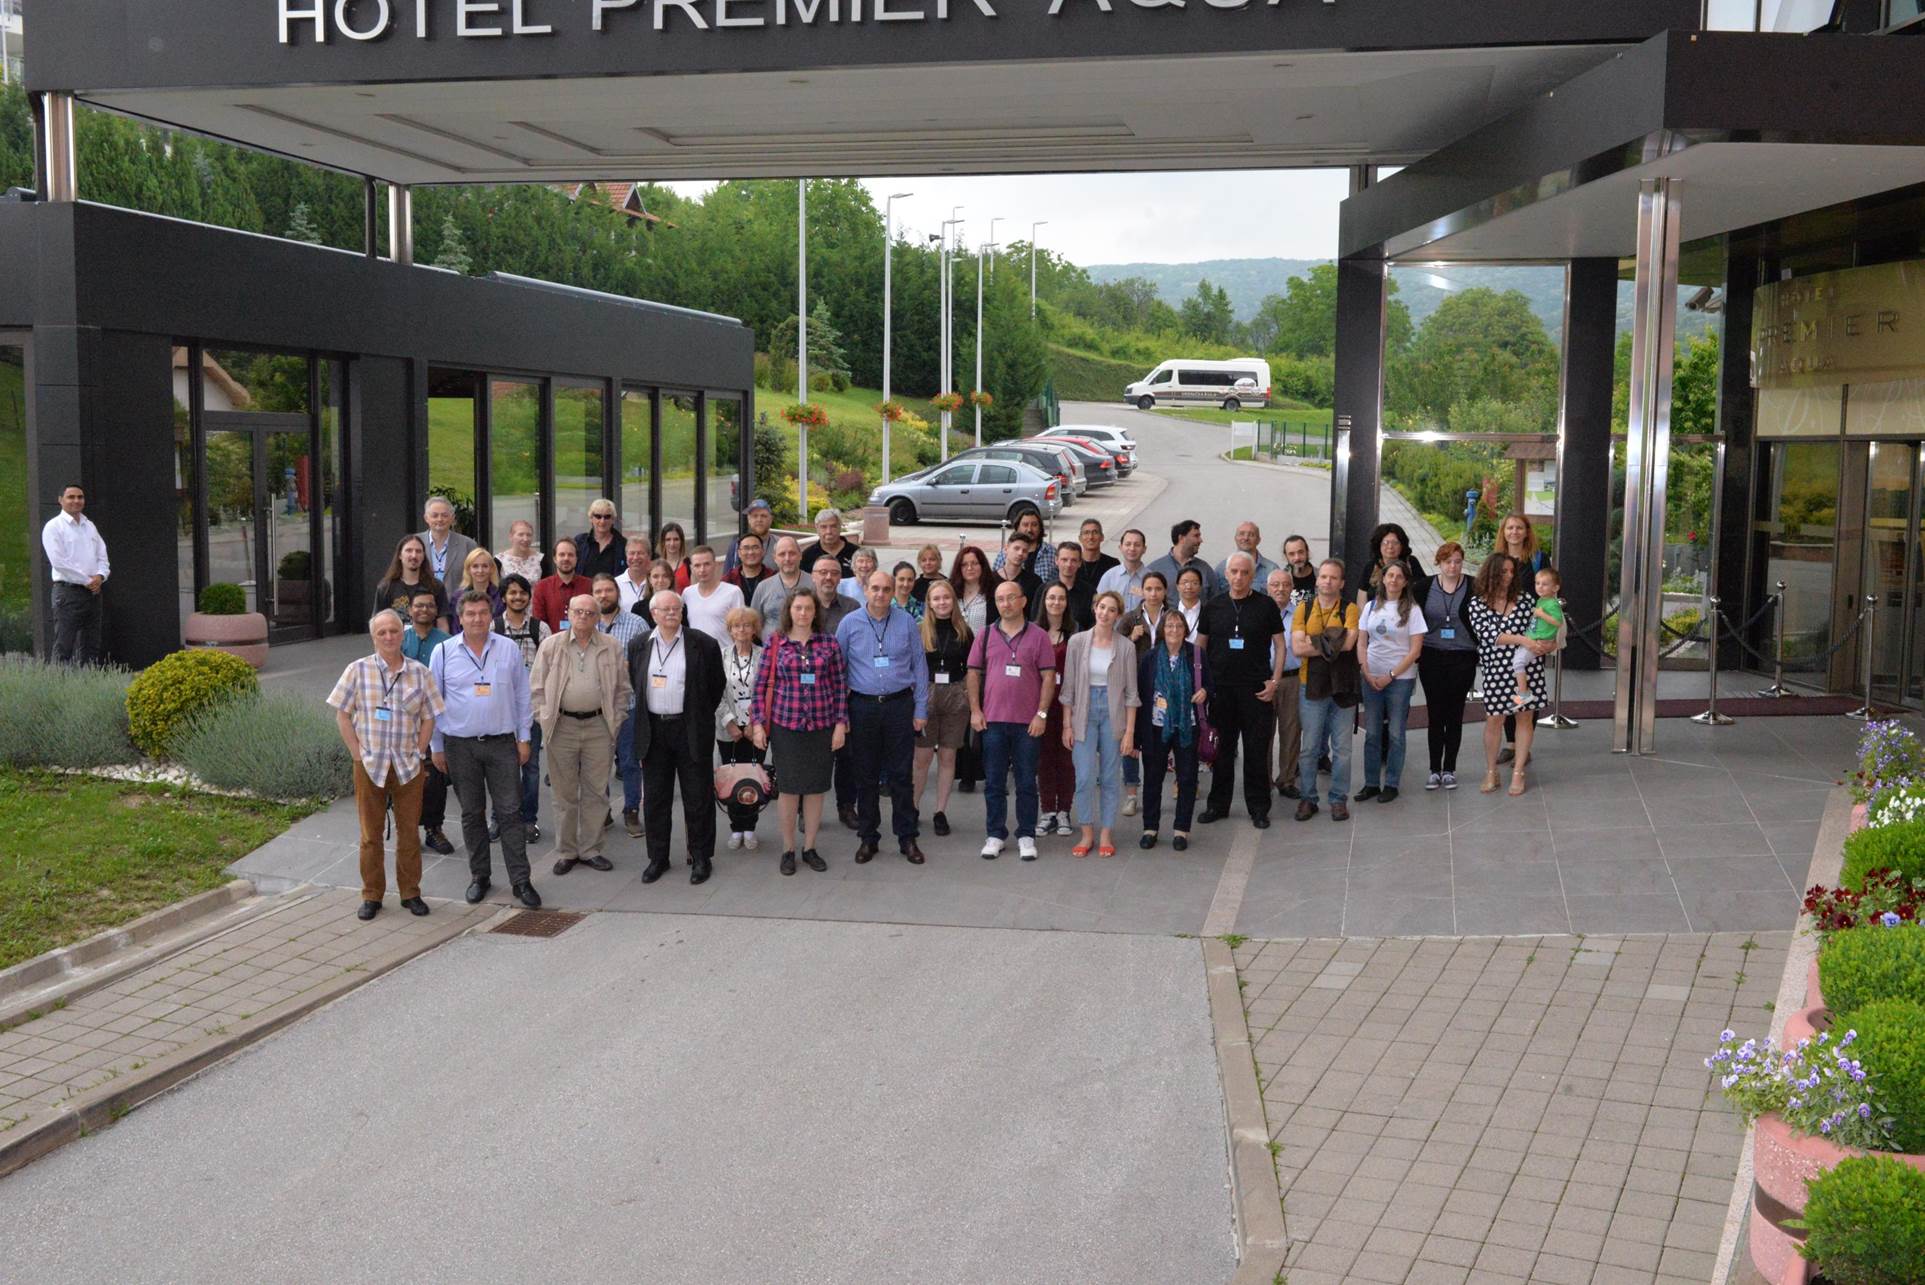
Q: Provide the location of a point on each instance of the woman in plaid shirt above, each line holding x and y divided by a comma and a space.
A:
801, 706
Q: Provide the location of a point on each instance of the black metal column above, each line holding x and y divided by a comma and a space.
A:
1584, 449
1359, 407
1742, 594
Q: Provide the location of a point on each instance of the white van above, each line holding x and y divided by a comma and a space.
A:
1229, 384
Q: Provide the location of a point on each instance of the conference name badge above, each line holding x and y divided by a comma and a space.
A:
484, 689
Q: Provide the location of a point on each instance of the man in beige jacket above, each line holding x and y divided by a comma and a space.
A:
579, 689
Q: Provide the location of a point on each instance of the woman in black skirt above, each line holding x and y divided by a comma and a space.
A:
801, 708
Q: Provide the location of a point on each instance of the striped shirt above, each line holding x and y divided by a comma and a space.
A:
394, 741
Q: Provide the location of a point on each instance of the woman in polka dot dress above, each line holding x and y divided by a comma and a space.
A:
1500, 612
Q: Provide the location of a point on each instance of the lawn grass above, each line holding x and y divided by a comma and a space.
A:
80, 854
1291, 415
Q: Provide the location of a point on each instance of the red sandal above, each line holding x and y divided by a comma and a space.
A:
1106, 851
1080, 850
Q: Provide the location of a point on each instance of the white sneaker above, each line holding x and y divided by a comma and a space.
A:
1129, 805
749, 840
1432, 781
1450, 780
1063, 826
735, 840
1026, 848
993, 848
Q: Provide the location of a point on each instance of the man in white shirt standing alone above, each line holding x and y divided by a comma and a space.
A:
709, 598
77, 557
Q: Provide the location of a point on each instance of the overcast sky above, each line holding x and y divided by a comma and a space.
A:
1133, 218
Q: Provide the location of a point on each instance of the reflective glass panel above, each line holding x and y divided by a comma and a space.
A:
453, 397
230, 511
678, 461
288, 523
184, 481
637, 433
514, 460
333, 530
725, 498
1798, 529
578, 455
232, 379
16, 542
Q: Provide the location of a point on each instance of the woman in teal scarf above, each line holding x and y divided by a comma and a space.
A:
1169, 723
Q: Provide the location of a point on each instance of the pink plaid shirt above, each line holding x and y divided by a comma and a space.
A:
799, 705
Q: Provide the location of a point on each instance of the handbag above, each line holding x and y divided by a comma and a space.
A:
1206, 737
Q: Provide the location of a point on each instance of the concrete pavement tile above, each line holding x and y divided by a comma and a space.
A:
1609, 912
1619, 842
1455, 1251
1501, 913
1558, 1269
1755, 872
1741, 909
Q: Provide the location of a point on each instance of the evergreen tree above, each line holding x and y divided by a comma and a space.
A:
453, 254
300, 227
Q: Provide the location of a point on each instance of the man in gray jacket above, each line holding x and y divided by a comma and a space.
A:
448, 549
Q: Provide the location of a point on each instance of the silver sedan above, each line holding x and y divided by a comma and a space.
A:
992, 491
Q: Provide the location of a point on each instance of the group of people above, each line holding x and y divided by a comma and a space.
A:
1093, 678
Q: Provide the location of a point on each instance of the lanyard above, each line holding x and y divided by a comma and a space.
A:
881, 635
661, 657
388, 684
481, 666
998, 630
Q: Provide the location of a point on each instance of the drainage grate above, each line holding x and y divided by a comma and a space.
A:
540, 923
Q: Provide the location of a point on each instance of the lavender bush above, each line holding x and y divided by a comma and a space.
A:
1817, 1087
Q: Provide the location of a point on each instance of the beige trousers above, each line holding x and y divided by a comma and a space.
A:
579, 759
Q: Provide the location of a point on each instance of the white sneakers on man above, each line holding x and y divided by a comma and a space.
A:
1026, 848
993, 848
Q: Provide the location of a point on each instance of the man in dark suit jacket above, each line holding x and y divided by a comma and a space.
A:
676, 673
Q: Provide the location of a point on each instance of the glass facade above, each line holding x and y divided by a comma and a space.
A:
514, 459
724, 487
1796, 528
580, 418
454, 400
637, 510
679, 461
16, 545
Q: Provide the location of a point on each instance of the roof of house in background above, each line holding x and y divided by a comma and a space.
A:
626, 197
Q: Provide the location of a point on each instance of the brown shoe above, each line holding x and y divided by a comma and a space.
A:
913, 853
1306, 808
632, 822
563, 865
1338, 812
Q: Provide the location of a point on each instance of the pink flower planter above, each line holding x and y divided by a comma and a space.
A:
1813, 997
243, 635
1859, 811
1783, 1161
1805, 1024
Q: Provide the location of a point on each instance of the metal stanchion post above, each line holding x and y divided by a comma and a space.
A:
1556, 717
1867, 620
1711, 717
1778, 687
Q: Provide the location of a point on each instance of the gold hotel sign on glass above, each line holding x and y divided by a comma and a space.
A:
1851, 326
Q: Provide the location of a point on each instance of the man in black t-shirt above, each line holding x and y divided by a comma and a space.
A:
1237, 628
1095, 561
829, 544
1081, 589
1017, 552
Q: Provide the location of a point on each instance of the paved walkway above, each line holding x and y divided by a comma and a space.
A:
1499, 1110
270, 964
667, 1098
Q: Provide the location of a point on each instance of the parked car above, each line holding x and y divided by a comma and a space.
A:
1124, 462
1053, 458
1100, 463
1115, 438
1186, 382
971, 490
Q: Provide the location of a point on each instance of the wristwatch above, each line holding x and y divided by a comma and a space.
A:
1043, 714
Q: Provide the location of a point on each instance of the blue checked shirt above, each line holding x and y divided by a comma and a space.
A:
624, 627
894, 640
503, 707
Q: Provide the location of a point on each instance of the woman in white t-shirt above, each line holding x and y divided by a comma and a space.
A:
1390, 635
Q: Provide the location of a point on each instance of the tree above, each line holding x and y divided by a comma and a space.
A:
300, 227
1302, 321
453, 254
1478, 345
826, 355
1207, 315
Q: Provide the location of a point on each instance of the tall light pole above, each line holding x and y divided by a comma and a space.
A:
888, 257
945, 291
1032, 265
802, 343
986, 247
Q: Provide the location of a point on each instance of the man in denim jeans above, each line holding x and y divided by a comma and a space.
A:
1323, 633
1012, 679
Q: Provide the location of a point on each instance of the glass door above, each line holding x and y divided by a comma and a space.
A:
260, 518
1892, 570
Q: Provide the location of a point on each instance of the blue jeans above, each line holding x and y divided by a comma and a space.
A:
1098, 759
1322, 720
531, 778
1392, 706
628, 766
1007, 745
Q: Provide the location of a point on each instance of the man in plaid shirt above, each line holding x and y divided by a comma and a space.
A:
385, 706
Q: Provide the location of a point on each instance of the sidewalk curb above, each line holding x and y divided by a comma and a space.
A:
68, 960
96, 1109
1261, 1240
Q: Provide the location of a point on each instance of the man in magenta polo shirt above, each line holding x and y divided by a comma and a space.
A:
1012, 679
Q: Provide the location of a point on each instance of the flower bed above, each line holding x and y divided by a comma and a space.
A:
1848, 1082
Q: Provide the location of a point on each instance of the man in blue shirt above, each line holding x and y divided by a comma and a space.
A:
482, 739
888, 701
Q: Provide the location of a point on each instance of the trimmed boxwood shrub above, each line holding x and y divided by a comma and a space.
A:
1872, 962
275, 745
1898, 847
167, 694
220, 599
1865, 1222
1890, 1045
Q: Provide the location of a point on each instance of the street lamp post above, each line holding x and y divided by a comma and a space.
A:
802, 343
1032, 265
945, 292
888, 258
987, 247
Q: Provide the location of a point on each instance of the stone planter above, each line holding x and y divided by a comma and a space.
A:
1782, 1161
1805, 1024
244, 635
1859, 811
1813, 997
